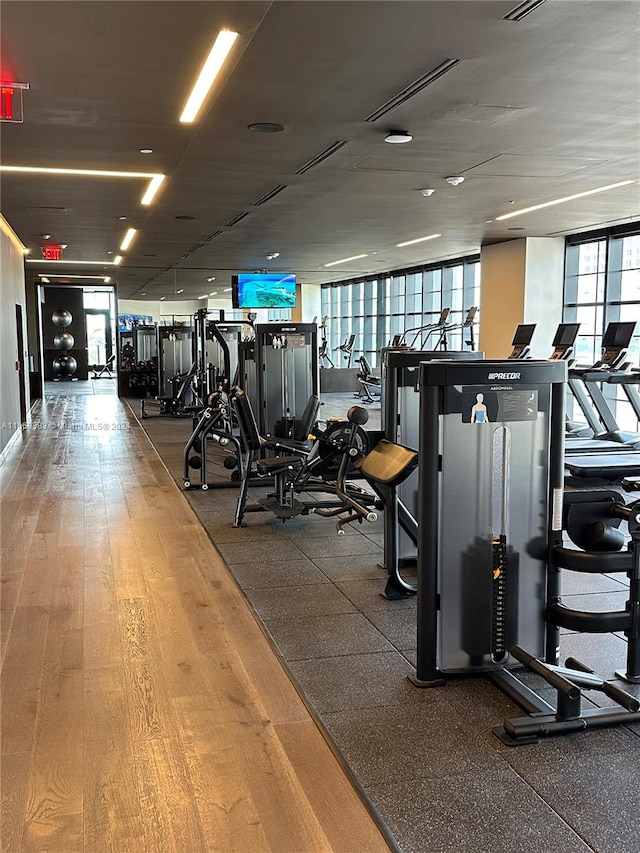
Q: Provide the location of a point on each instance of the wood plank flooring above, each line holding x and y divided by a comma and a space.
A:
142, 707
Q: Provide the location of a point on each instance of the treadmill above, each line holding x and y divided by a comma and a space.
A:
612, 454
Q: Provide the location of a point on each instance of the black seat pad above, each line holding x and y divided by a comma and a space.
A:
278, 464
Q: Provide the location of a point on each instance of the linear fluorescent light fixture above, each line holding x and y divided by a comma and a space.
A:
213, 63
113, 263
522, 10
105, 278
562, 200
128, 239
418, 240
117, 260
344, 260
155, 178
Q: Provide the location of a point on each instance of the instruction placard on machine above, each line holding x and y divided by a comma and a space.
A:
487, 404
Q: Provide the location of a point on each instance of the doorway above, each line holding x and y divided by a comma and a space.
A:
99, 336
20, 364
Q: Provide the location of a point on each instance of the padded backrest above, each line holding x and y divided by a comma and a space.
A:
347, 346
308, 419
389, 463
365, 367
246, 420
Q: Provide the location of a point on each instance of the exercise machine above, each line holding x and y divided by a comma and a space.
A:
611, 453
400, 424
214, 426
105, 370
286, 357
346, 349
489, 588
370, 385
175, 356
466, 327
421, 334
323, 354
296, 466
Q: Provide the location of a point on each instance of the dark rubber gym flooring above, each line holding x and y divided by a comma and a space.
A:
427, 760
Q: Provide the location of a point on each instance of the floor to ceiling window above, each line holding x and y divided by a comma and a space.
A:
377, 309
602, 285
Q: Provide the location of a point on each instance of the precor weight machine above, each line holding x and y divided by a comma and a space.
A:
490, 544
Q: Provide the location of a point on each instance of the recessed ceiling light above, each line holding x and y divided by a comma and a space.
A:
128, 239
418, 240
566, 198
213, 63
272, 256
211, 278
344, 260
122, 218
45, 236
397, 137
266, 127
427, 192
455, 180
146, 150
64, 245
183, 216
143, 294
162, 298
180, 291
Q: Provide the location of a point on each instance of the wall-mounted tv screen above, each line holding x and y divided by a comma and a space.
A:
263, 290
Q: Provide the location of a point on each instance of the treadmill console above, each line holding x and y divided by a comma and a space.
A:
564, 341
522, 340
615, 344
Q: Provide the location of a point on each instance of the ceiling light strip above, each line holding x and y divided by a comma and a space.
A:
522, 10
418, 240
128, 239
49, 275
563, 200
321, 157
413, 89
11, 234
210, 70
113, 263
344, 260
155, 178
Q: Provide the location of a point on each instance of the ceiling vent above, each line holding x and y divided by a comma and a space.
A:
319, 158
522, 10
413, 89
269, 195
236, 219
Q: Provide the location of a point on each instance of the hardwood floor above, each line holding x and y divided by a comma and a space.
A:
142, 707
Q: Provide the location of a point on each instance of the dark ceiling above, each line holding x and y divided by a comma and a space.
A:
533, 110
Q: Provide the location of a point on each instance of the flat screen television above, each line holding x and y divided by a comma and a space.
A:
263, 290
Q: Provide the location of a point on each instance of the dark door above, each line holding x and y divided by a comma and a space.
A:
20, 364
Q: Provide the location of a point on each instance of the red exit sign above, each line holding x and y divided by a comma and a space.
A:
52, 252
11, 101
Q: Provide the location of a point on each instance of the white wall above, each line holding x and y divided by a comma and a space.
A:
12, 293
